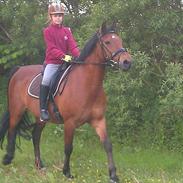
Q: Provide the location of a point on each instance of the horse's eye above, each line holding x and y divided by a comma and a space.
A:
107, 42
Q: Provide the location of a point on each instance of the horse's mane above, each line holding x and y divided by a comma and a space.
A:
90, 44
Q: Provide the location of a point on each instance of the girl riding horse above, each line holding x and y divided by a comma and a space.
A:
83, 99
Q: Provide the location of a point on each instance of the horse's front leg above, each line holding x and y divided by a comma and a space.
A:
112, 169
36, 136
100, 127
68, 147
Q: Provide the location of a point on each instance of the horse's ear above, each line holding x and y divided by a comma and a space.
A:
114, 25
103, 27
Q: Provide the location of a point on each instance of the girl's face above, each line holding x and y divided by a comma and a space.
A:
57, 18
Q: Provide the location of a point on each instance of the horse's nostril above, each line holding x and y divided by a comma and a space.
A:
125, 65
126, 62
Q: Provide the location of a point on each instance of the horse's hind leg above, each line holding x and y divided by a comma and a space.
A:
68, 141
16, 110
36, 136
12, 132
10, 147
100, 127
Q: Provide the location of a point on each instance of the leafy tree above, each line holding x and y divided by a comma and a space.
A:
21, 25
155, 27
21, 29
151, 26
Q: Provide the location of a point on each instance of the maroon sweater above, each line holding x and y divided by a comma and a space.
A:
59, 41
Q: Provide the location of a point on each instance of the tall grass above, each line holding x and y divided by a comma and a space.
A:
89, 164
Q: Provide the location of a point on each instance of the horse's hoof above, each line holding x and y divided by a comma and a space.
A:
114, 180
40, 165
68, 175
7, 159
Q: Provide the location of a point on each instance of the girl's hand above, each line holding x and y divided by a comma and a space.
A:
67, 58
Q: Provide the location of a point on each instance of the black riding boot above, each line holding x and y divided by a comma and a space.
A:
44, 91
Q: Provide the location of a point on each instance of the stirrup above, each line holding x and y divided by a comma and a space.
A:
44, 115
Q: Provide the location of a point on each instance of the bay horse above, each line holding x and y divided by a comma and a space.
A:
82, 101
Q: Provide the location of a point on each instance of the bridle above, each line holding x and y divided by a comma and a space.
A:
108, 61
105, 50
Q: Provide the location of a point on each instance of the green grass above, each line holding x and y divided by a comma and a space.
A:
88, 162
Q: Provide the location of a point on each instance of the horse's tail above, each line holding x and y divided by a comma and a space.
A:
25, 124
24, 128
4, 125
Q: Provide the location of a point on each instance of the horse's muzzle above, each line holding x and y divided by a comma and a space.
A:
125, 65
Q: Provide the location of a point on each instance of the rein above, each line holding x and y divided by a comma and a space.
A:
107, 63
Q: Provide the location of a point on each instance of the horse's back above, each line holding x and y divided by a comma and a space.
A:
30, 70
19, 82
25, 73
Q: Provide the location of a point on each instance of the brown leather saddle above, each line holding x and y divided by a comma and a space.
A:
59, 77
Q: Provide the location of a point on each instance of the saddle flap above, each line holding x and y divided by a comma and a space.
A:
34, 86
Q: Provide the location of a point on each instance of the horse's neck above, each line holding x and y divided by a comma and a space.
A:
95, 68
89, 75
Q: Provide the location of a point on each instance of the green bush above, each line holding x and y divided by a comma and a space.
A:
3, 91
145, 104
